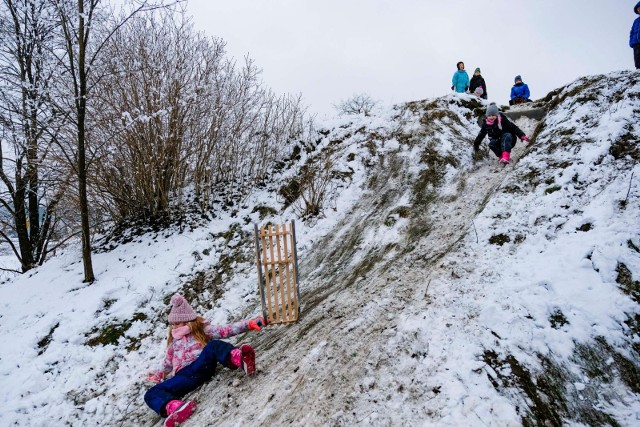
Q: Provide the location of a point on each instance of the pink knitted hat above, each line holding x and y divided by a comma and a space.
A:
181, 311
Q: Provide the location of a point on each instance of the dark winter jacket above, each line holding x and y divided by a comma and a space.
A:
497, 129
478, 81
634, 36
520, 90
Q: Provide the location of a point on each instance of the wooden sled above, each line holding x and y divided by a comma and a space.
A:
277, 263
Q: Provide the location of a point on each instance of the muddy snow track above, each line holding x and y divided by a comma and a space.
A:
338, 364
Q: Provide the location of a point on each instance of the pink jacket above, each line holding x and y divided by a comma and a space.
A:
184, 351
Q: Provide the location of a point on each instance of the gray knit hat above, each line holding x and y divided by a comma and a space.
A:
492, 109
181, 311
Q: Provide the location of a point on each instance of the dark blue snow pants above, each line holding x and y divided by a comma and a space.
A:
190, 377
504, 144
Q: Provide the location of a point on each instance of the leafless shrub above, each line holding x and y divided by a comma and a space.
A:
315, 187
180, 116
357, 104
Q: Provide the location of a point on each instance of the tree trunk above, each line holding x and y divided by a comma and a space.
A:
81, 106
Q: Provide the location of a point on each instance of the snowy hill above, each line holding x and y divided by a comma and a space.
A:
437, 288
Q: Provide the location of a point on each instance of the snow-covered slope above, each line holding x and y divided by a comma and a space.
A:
437, 289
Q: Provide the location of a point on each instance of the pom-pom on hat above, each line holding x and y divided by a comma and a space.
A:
492, 109
518, 78
181, 311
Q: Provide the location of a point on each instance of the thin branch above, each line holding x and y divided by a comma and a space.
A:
629, 190
476, 231
13, 247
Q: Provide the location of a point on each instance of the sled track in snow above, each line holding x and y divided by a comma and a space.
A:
304, 375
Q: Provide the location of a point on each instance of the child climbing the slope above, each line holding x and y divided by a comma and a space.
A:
502, 134
193, 352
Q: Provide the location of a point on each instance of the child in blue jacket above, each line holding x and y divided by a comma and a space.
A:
460, 80
634, 37
519, 92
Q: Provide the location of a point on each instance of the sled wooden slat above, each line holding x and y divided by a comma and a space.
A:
267, 279
283, 314
286, 276
274, 233
274, 282
277, 263
284, 262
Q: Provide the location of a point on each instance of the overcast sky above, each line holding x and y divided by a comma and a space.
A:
403, 50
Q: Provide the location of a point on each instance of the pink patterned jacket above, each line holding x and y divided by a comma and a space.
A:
186, 350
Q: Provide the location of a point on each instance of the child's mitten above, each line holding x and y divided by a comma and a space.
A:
255, 324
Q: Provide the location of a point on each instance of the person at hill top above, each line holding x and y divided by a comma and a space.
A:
634, 37
519, 92
502, 134
477, 81
193, 352
460, 80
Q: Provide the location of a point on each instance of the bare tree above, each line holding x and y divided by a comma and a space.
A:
357, 104
33, 183
86, 27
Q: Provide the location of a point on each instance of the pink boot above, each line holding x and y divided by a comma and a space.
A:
178, 412
506, 157
244, 356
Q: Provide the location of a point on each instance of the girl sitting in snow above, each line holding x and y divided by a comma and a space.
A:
193, 352
502, 133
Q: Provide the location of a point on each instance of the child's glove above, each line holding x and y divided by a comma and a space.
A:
525, 138
451, 87
255, 324
155, 377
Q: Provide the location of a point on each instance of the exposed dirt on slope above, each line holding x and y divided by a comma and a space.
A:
336, 365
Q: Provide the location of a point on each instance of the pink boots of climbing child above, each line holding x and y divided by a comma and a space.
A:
244, 356
506, 157
178, 411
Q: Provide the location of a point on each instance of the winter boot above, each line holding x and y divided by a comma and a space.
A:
178, 411
506, 157
244, 356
